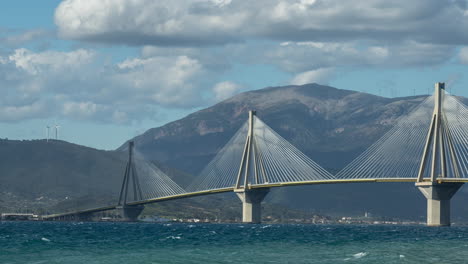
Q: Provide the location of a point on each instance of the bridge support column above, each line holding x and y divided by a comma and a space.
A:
251, 204
86, 217
438, 197
130, 213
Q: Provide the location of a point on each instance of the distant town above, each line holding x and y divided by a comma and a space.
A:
366, 219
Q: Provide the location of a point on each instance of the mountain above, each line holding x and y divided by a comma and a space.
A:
43, 174
331, 126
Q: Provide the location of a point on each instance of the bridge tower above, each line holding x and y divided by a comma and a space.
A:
130, 212
248, 173
439, 158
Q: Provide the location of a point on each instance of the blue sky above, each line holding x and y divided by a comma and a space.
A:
106, 71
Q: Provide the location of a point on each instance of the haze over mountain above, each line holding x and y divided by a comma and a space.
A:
330, 125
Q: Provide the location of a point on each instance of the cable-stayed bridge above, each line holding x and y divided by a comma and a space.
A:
428, 146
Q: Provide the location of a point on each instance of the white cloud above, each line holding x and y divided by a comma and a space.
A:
80, 85
302, 56
35, 63
18, 38
162, 22
168, 81
11, 113
224, 90
213, 59
463, 55
221, 2
187, 43
321, 76
208, 22
314, 34
80, 109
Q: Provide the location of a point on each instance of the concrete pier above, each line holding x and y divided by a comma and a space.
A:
439, 161
86, 217
251, 204
130, 213
438, 197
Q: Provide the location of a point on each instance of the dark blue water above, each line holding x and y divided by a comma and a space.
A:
51, 242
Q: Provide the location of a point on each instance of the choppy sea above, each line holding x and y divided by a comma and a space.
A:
55, 242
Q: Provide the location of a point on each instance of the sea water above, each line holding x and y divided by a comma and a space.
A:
56, 242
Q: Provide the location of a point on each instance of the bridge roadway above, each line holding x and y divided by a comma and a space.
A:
256, 186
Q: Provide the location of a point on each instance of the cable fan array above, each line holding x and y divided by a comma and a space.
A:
221, 172
397, 154
148, 181
281, 161
272, 159
456, 134
154, 182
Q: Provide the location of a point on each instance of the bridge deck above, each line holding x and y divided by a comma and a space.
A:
230, 189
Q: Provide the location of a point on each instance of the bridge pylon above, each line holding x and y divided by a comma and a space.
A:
438, 161
249, 174
130, 184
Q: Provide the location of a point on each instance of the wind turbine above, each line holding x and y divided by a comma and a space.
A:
56, 131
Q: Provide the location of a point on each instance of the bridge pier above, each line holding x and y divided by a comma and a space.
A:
130, 213
438, 197
84, 217
251, 204
439, 161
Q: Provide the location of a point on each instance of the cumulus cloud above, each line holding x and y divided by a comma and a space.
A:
303, 56
224, 90
82, 110
321, 76
81, 86
55, 61
17, 38
26, 75
11, 113
211, 22
163, 22
301, 35
214, 59
463, 55
168, 81
187, 43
